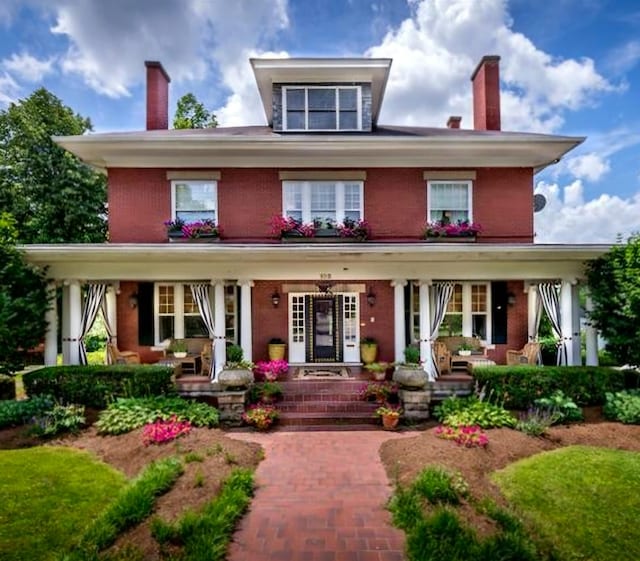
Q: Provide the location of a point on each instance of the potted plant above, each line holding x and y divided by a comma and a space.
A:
205, 230
378, 370
276, 348
270, 370
368, 350
390, 416
260, 416
269, 392
237, 373
465, 349
358, 230
410, 374
179, 348
378, 391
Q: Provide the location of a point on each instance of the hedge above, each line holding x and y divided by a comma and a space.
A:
7, 387
519, 386
96, 385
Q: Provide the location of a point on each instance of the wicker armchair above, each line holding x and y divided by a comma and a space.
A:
122, 357
442, 356
526, 355
206, 356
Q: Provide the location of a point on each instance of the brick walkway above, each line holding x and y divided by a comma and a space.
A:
320, 497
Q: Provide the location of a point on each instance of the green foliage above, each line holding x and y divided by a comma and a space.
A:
579, 499
412, 355
96, 385
562, 405
48, 495
537, 420
205, 536
623, 407
24, 298
14, 413
614, 285
7, 387
62, 418
127, 414
234, 353
520, 386
129, 508
435, 485
265, 391
191, 114
469, 411
38, 178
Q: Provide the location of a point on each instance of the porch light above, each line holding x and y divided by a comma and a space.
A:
371, 297
275, 298
325, 287
133, 301
511, 299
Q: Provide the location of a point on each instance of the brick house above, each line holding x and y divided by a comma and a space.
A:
322, 155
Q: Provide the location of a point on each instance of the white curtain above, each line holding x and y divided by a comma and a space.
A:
202, 297
111, 335
548, 292
440, 295
536, 322
94, 296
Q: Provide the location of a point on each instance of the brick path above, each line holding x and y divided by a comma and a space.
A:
320, 497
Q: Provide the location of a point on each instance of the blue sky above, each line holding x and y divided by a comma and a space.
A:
568, 67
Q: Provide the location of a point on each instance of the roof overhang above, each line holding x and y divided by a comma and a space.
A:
162, 149
466, 261
269, 71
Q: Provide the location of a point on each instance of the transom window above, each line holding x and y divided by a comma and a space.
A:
449, 201
322, 108
194, 200
335, 200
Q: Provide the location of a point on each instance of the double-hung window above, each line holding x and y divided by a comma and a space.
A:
334, 200
322, 108
193, 200
449, 201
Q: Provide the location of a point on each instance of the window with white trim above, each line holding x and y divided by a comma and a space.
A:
322, 108
449, 201
336, 200
193, 200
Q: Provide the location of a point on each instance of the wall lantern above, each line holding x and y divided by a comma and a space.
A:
371, 297
275, 298
511, 299
133, 300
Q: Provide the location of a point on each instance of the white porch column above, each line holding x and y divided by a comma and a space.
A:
566, 320
400, 340
591, 336
51, 335
532, 308
71, 316
425, 328
220, 350
246, 327
112, 310
575, 324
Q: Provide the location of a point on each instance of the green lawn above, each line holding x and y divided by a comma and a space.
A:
583, 500
48, 496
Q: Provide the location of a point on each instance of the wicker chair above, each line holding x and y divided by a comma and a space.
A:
442, 356
206, 356
122, 357
526, 355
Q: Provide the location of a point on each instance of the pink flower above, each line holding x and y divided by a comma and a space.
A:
164, 431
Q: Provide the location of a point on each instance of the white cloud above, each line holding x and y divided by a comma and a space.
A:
28, 67
567, 218
624, 58
436, 50
9, 90
588, 166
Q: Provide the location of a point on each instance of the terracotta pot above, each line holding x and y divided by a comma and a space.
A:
390, 422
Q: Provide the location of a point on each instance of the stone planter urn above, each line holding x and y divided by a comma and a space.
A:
410, 377
235, 378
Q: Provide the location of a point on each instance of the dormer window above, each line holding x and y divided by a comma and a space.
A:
322, 108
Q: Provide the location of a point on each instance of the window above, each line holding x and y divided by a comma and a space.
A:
178, 317
322, 108
452, 322
194, 200
337, 200
449, 201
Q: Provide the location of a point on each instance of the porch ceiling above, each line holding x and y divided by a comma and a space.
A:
313, 261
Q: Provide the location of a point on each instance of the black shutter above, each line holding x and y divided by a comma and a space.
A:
145, 314
499, 312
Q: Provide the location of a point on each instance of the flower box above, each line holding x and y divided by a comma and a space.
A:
203, 238
450, 239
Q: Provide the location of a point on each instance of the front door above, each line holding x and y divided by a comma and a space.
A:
323, 329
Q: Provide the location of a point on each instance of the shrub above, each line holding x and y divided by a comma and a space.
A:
561, 406
436, 486
95, 386
7, 387
127, 414
412, 355
165, 431
14, 413
537, 420
62, 418
520, 386
470, 411
623, 407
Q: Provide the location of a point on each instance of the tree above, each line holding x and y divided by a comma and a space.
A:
53, 196
191, 114
24, 299
614, 283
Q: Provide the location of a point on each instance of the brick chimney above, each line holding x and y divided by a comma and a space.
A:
486, 94
454, 122
157, 96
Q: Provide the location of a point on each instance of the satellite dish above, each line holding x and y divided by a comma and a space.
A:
539, 202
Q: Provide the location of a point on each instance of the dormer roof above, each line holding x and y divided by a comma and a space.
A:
269, 71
